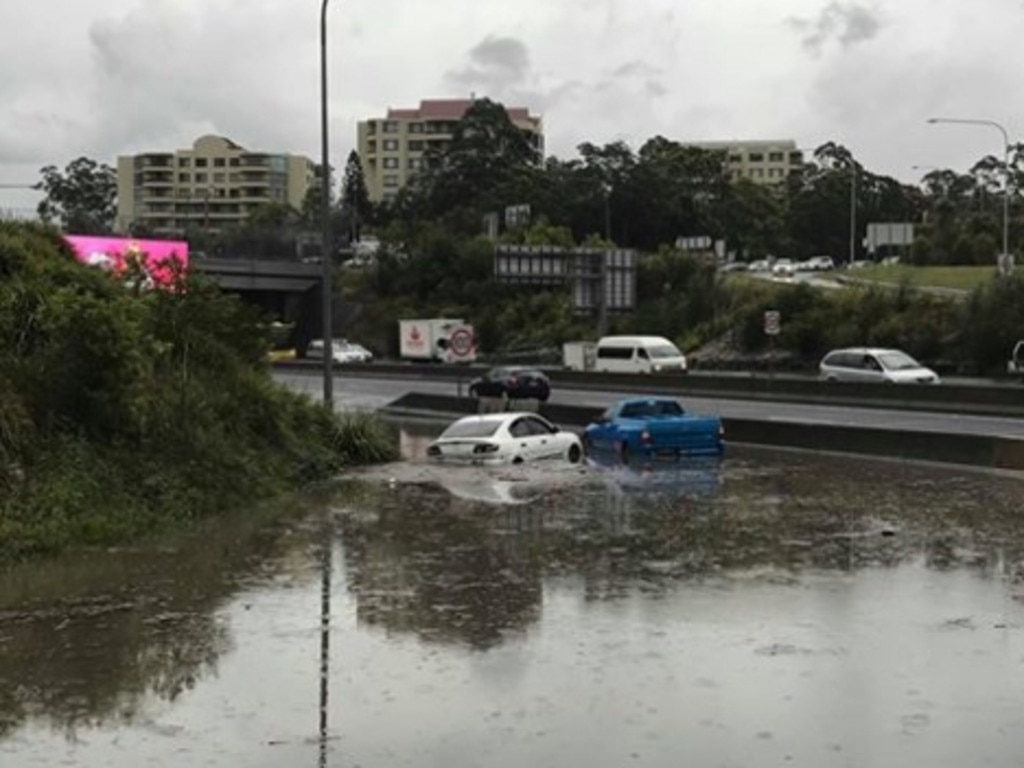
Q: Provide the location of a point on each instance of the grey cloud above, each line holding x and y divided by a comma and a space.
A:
496, 65
848, 23
148, 95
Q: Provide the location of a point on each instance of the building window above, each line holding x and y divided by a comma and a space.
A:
416, 145
371, 127
218, 162
415, 163
200, 178
757, 173
415, 127
183, 162
776, 157
200, 162
390, 126
735, 158
233, 162
218, 178
796, 157
388, 197
390, 145
184, 177
756, 157
390, 162
390, 180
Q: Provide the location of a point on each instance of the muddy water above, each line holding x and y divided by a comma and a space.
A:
774, 609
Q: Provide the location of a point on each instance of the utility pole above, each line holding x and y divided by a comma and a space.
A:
326, 260
602, 295
853, 212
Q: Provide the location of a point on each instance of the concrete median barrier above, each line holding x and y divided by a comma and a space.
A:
942, 447
971, 399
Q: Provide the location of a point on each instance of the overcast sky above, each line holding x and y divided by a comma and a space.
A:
107, 77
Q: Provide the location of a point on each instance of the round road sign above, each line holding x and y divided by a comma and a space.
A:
461, 342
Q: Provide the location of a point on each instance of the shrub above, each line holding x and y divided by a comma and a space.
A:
121, 412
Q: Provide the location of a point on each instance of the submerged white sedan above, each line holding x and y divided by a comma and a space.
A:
505, 438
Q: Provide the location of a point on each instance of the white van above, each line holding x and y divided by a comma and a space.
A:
638, 354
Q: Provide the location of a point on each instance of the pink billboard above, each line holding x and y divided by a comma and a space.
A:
155, 257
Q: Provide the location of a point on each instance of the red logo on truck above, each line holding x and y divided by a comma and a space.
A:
415, 337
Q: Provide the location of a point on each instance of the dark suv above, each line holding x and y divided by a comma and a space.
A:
513, 382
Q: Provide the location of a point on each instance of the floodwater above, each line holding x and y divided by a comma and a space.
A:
772, 609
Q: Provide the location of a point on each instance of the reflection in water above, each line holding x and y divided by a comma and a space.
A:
92, 637
677, 610
326, 550
431, 563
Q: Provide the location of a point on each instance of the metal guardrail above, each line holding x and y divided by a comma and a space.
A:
942, 398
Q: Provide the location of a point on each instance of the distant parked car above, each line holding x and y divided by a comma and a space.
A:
513, 382
820, 263
655, 426
871, 364
733, 266
505, 438
761, 265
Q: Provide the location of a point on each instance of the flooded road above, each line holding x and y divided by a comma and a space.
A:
772, 609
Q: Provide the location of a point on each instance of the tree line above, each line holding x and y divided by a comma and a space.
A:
639, 198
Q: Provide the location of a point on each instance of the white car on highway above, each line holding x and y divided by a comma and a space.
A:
871, 364
505, 438
783, 268
344, 351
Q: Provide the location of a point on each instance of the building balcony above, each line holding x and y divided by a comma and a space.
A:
157, 180
154, 161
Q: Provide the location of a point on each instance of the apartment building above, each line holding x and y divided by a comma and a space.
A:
215, 184
392, 147
763, 162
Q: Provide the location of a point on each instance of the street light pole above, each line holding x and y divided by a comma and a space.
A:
1006, 174
326, 260
602, 316
853, 212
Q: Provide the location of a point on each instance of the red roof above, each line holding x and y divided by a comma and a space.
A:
450, 109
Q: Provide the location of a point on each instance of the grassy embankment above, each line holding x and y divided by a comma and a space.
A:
125, 412
958, 278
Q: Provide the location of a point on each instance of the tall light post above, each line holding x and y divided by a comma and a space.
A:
326, 260
602, 317
853, 211
1006, 175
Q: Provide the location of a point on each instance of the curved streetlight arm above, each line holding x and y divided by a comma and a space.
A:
1006, 171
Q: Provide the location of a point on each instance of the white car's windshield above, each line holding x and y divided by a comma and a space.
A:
897, 361
663, 351
473, 428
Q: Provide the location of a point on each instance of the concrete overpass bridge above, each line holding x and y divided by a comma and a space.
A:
289, 290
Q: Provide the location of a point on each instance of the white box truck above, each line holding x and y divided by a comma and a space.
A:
438, 339
579, 355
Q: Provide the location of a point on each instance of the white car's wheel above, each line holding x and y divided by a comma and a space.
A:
574, 454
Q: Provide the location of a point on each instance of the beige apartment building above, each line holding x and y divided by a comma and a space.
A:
214, 184
763, 162
391, 148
